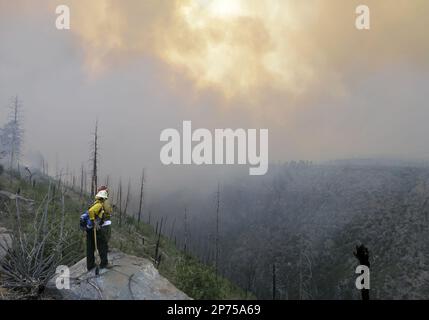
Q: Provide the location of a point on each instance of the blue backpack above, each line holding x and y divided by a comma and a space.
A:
85, 223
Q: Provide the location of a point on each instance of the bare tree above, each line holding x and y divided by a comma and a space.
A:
73, 180
12, 133
30, 175
157, 258
63, 214
217, 230
81, 181
119, 201
305, 270
43, 166
172, 228
186, 231
94, 159
141, 198
127, 200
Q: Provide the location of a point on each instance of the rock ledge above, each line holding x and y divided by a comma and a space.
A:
131, 278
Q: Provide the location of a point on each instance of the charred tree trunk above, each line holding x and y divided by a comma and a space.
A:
94, 162
73, 181
14, 134
81, 182
172, 229
30, 175
186, 232
127, 200
120, 202
141, 198
85, 189
158, 258
217, 231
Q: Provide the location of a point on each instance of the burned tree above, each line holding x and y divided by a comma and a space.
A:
127, 200
94, 160
82, 179
172, 228
119, 201
186, 231
12, 133
30, 175
217, 230
141, 198
157, 255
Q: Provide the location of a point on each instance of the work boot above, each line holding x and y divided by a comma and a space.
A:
107, 266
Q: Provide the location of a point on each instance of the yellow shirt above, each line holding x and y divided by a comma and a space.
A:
108, 210
96, 210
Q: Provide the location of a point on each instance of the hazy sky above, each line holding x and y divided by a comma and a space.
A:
299, 68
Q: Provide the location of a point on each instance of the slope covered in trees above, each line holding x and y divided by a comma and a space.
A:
44, 218
291, 235
308, 220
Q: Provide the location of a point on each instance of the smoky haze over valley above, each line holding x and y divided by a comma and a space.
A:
336, 92
346, 110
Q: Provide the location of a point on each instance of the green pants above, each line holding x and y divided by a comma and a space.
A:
108, 231
102, 246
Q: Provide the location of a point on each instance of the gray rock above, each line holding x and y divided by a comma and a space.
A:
131, 278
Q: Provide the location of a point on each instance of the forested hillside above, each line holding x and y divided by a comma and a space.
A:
290, 235
42, 214
303, 221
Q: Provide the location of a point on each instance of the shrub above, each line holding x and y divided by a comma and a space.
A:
198, 281
36, 250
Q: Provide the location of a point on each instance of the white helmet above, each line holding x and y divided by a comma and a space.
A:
102, 194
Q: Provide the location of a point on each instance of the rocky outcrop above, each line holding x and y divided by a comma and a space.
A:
130, 278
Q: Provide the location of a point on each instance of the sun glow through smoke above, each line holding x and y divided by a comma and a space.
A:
223, 8
239, 48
